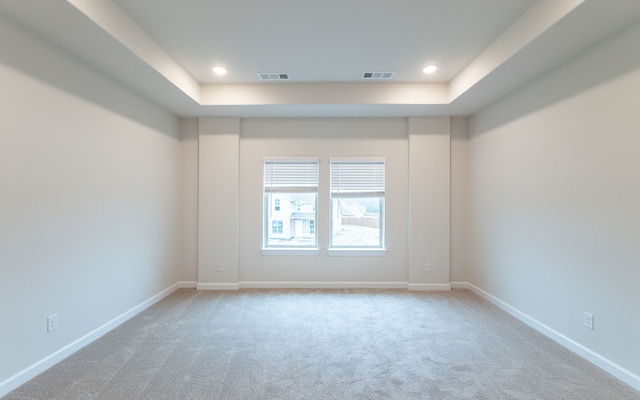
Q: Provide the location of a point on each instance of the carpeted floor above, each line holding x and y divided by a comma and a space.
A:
322, 344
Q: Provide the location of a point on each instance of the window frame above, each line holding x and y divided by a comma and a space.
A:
373, 187
299, 184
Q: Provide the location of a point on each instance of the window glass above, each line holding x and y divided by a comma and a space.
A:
357, 202
290, 202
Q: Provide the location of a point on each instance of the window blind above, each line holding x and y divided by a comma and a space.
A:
290, 175
357, 177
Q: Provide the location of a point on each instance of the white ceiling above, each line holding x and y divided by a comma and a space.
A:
328, 40
164, 49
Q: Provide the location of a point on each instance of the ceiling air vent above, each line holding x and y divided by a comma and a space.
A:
273, 76
377, 75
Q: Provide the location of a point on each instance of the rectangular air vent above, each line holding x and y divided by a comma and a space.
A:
273, 76
377, 75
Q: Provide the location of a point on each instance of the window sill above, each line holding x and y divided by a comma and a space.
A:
357, 252
290, 252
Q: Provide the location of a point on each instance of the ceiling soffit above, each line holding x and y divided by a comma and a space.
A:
509, 62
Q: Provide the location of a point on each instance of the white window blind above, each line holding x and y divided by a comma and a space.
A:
290, 175
359, 177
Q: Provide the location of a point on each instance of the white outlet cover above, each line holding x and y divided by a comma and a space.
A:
52, 323
588, 320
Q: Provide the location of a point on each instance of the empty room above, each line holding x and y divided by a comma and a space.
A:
411, 199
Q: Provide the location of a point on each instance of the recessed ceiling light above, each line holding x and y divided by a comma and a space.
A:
430, 69
219, 70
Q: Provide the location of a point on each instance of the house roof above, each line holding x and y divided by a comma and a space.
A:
303, 215
350, 209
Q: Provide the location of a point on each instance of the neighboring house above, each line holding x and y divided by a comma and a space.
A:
291, 217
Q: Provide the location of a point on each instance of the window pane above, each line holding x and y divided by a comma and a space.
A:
356, 222
293, 223
290, 196
357, 202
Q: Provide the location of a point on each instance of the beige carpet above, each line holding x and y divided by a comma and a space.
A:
319, 344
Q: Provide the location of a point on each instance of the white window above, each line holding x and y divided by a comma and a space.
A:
290, 203
357, 202
276, 227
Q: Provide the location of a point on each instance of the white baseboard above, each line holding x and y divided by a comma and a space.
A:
429, 286
611, 367
323, 285
217, 286
30, 372
13, 382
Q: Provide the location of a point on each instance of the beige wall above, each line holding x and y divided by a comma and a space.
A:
430, 180
238, 200
189, 132
459, 265
89, 203
323, 138
218, 146
554, 189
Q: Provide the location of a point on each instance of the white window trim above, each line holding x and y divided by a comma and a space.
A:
355, 250
312, 250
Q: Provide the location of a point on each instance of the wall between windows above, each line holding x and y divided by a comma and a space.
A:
554, 189
230, 221
89, 195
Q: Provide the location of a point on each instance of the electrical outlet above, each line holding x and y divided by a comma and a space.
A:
220, 267
52, 323
427, 267
588, 321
